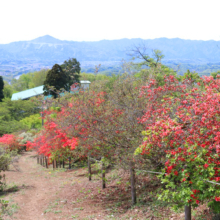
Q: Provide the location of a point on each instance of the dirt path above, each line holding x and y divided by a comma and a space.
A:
37, 193
46, 194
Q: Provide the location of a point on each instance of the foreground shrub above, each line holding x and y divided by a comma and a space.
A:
182, 138
11, 142
6, 157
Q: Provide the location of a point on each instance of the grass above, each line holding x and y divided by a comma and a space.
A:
8, 208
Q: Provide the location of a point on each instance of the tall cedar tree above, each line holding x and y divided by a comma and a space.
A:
1, 88
72, 68
56, 80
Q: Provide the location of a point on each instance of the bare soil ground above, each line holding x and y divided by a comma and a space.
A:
37, 193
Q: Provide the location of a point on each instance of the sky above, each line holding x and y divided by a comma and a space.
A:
93, 20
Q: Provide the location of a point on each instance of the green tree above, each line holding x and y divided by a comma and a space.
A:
8, 90
72, 68
38, 78
215, 74
1, 88
12, 112
56, 80
193, 76
22, 83
140, 53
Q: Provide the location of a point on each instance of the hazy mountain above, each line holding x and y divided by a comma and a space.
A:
52, 49
43, 52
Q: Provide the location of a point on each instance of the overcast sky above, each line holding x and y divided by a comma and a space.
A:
92, 20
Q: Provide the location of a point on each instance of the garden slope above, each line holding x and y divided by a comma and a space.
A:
47, 194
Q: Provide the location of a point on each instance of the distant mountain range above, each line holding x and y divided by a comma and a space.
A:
49, 48
46, 51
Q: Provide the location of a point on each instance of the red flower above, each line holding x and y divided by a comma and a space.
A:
206, 166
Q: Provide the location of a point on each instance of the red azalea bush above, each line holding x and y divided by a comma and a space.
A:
53, 141
182, 138
11, 141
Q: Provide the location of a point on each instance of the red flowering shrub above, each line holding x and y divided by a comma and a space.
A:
53, 141
182, 137
11, 141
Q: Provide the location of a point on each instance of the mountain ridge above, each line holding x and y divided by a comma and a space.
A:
45, 51
50, 48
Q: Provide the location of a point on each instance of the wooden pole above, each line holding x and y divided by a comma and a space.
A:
43, 160
103, 176
69, 162
89, 168
188, 212
63, 163
133, 188
46, 161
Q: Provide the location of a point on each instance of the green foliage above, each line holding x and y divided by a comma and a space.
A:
55, 81
146, 60
22, 83
95, 77
7, 127
72, 69
179, 188
32, 121
1, 88
29, 80
6, 157
215, 206
214, 74
12, 112
157, 73
38, 78
8, 90
191, 76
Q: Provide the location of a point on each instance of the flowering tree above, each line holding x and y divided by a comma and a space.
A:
53, 141
11, 142
182, 138
109, 123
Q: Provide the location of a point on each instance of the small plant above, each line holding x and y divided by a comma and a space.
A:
6, 208
4, 205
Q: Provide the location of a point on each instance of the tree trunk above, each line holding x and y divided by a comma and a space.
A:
46, 161
43, 160
69, 162
133, 188
60, 161
188, 212
37, 159
103, 176
89, 168
63, 163
53, 165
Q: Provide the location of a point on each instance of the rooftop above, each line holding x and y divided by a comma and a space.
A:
26, 94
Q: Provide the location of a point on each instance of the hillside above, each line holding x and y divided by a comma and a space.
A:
52, 49
20, 57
